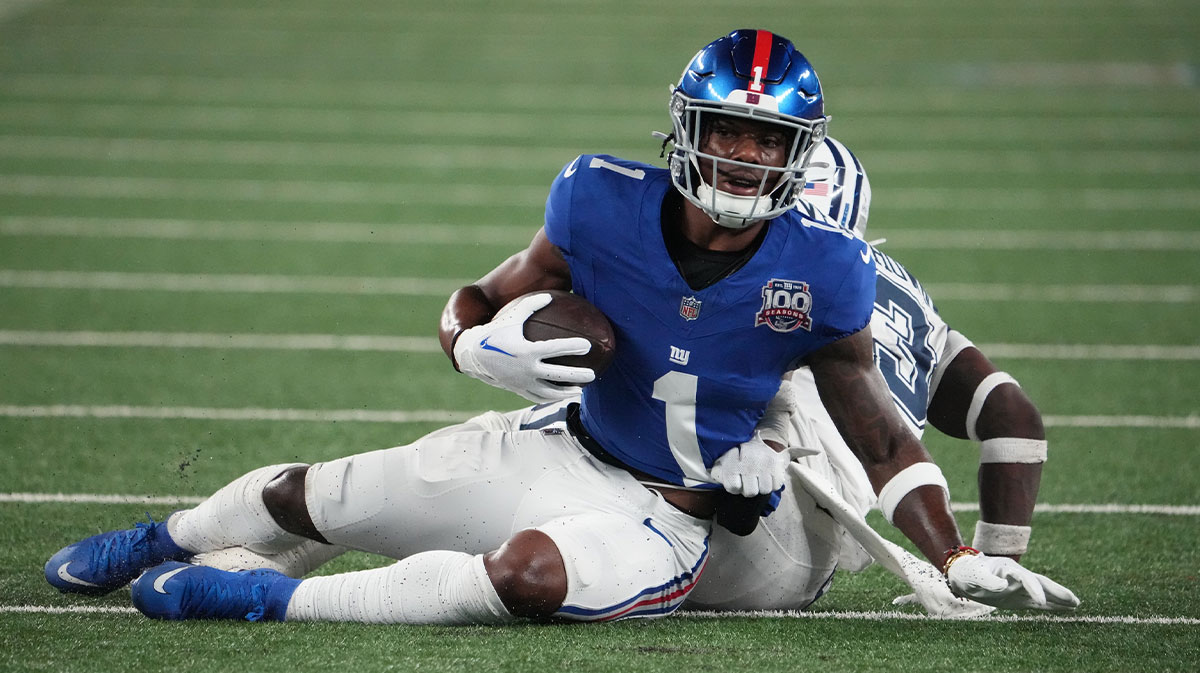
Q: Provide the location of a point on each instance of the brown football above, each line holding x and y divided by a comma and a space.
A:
569, 315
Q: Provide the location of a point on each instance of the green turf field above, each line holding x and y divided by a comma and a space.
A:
227, 230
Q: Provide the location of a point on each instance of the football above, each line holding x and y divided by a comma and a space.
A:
569, 315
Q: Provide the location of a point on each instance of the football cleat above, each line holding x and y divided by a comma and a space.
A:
179, 591
108, 561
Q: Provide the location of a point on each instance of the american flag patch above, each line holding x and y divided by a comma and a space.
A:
816, 188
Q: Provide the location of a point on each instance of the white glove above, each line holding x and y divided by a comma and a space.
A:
1004, 583
752, 468
931, 591
498, 353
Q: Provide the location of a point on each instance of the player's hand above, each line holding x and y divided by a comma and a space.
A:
753, 468
785, 424
1004, 583
498, 353
931, 591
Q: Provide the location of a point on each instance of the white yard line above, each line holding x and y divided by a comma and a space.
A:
238, 414
511, 93
336, 342
446, 415
459, 156
1063, 293
408, 233
839, 615
464, 156
415, 344
918, 617
180, 282
100, 499
1159, 422
221, 190
66, 610
934, 239
130, 499
1111, 508
256, 283
1090, 352
515, 121
61, 86
302, 232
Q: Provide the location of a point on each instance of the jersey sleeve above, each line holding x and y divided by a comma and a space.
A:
854, 301
558, 207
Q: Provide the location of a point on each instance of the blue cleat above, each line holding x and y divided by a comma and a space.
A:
183, 591
108, 561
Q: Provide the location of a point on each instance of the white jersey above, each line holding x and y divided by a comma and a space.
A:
790, 559
909, 336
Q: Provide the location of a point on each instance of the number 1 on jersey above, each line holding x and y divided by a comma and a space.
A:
678, 391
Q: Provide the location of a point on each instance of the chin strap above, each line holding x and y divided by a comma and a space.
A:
749, 209
665, 138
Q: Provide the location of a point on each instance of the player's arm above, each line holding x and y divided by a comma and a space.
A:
481, 328
975, 400
912, 492
538, 267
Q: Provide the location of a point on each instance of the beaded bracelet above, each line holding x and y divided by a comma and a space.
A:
956, 552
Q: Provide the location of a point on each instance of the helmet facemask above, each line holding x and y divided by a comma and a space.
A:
694, 172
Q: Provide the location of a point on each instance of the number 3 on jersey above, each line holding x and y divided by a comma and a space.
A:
902, 350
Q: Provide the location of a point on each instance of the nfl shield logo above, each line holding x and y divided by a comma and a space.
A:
689, 308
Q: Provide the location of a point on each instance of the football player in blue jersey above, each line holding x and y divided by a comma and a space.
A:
930, 369
716, 285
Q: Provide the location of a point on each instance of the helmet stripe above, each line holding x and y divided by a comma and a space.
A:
762, 59
835, 207
858, 183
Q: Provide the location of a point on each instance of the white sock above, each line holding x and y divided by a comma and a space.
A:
433, 587
234, 516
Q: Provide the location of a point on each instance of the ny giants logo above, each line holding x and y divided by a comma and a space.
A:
786, 306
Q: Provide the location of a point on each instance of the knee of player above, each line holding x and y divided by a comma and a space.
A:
1010, 413
528, 574
286, 503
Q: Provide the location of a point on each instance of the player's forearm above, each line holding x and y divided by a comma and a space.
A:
1007, 493
913, 496
924, 517
467, 307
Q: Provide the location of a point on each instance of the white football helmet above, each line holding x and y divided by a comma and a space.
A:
836, 186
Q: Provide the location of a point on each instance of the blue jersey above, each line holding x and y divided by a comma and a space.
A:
695, 369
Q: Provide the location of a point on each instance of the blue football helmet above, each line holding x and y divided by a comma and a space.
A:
836, 186
757, 75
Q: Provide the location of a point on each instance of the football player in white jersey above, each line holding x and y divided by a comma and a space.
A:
609, 517
934, 374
